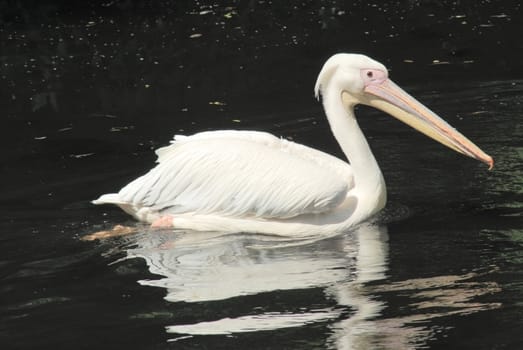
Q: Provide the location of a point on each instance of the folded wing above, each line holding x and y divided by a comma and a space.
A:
238, 174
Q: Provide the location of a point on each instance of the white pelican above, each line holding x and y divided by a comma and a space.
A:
250, 181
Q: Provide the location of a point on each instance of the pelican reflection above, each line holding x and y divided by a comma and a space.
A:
207, 268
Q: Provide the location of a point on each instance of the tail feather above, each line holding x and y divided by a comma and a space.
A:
109, 198
138, 212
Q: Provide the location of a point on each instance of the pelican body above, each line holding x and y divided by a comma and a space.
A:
251, 181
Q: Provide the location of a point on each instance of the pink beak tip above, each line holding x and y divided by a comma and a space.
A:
490, 163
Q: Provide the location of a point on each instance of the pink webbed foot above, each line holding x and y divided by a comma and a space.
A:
116, 231
163, 221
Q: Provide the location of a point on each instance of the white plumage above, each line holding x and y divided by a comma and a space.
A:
191, 176
211, 174
249, 181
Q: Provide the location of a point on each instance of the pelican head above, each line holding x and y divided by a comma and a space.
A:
361, 80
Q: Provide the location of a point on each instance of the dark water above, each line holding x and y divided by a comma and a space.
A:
88, 92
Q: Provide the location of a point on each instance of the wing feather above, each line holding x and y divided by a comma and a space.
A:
240, 173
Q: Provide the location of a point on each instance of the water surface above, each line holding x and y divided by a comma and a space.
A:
440, 268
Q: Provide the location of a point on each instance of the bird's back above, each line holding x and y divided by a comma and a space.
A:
237, 174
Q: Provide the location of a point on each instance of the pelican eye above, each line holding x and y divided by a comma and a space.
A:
369, 74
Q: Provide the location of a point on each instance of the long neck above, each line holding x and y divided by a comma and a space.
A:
368, 179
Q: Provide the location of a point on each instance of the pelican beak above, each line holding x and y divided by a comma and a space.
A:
390, 98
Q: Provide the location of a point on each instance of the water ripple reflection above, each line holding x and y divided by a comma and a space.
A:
201, 271
214, 266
